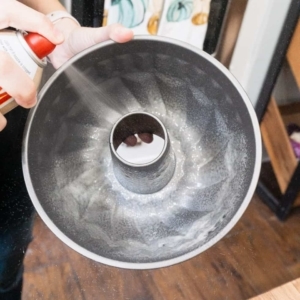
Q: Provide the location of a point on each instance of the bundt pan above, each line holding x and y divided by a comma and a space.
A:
153, 214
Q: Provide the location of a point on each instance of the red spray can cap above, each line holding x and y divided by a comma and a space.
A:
39, 44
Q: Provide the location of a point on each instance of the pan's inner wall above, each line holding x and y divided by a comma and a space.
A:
210, 131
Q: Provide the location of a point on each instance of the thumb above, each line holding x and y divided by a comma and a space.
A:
82, 38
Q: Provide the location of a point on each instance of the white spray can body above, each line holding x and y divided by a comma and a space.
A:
21, 49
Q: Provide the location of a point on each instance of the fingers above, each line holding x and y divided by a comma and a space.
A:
24, 92
132, 140
146, 137
2, 122
82, 38
17, 15
118, 33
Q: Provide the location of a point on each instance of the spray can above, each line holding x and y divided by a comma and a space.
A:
29, 51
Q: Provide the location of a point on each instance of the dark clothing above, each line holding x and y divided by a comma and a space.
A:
16, 209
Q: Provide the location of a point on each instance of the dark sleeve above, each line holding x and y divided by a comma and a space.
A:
15, 204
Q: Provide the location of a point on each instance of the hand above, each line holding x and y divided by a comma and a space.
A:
70, 38
13, 78
79, 38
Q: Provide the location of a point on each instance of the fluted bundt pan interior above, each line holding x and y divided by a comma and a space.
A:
213, 133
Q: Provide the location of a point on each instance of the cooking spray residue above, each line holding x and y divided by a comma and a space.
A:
190, 210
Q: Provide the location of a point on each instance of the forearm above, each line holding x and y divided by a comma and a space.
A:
44, 6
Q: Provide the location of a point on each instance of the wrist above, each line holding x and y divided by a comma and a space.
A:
64, 22
61, 15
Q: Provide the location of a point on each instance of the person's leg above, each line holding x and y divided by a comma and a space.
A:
16, 210
13, 245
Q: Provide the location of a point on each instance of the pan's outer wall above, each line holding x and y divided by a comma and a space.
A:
35, 131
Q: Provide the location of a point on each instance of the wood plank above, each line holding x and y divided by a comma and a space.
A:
289, 290
278, 145
296, 284
262, 268
293, 54
242, 265
47, 282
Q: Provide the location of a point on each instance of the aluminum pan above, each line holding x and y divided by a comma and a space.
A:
59, 231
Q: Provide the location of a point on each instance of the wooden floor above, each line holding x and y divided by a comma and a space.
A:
259, 254
290, 290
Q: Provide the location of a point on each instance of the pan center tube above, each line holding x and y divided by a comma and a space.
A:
143, 160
